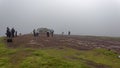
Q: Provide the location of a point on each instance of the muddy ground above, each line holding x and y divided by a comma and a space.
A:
76, 42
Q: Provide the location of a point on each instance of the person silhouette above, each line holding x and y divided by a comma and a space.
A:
8, 32
13, 32
69, 32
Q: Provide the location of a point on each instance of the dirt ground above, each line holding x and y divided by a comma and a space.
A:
76, 42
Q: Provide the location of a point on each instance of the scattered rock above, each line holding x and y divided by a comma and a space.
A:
32, 42
119, 56
76, 42
86, 45
46, 40
98, 47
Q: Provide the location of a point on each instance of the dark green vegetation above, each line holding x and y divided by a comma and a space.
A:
56, 58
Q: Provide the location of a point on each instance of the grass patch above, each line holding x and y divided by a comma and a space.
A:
101, 56
55, 57
45, 62
4, 62
5, 51
42, 59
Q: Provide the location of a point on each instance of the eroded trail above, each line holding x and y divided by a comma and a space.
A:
77, 42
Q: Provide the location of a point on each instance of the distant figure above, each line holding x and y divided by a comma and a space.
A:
52, 33
62, 33
13, 32
69, 32
48, 34
37, 34
34, 33
8, 32
20, 34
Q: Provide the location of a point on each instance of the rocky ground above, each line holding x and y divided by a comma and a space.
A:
76, 42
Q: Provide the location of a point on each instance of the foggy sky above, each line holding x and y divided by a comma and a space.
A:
81, 17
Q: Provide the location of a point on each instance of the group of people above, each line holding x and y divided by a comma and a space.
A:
48, 33
11, 33
69, 33
35, 33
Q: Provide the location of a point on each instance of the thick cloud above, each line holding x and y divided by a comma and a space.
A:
86, 17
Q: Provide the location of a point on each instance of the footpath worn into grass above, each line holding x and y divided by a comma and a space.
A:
61, 57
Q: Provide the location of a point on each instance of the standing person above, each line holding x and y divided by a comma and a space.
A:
62, 33
48, 34
69, 32
20, 34
13, 32
52, 33
7, 30
8, 33
34, 33
37, 34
